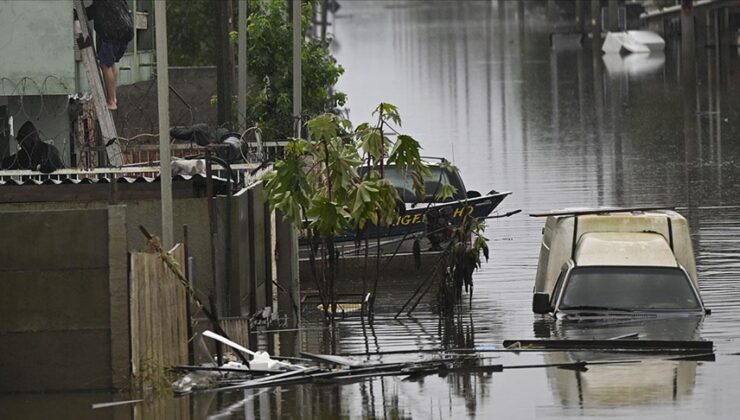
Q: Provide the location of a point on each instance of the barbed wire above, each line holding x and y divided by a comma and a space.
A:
27, 100
66, 125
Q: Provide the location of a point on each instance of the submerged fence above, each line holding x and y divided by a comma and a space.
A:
158, 314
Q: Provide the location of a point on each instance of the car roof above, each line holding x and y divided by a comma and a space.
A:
624, 248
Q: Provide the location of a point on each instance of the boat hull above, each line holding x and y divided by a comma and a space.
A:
419, 220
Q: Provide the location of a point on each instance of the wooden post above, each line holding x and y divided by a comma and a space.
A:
580, 17
324, 18
286, 262
688, 41
595, 26
613, 15
189, 275
215, 323
242, 55
163, 104
224, 61
688, 51
723, 49
297, 70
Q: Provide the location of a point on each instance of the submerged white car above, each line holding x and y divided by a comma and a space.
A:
616, 262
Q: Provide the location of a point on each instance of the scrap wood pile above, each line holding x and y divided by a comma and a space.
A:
268, 371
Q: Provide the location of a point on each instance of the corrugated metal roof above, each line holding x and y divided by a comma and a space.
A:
46, 180
123, 175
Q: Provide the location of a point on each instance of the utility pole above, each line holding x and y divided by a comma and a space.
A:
297, 70
224, 61
163, 104
324, 18
595, 26
242, 55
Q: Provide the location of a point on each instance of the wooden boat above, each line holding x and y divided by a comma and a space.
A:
425, 219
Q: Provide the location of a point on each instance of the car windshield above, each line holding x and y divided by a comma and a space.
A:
404, 183
629, 288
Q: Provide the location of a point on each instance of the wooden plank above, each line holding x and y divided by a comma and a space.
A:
614, 345
236, 328
175, 311
107, 127
146, 313
331, 359
163, 314
134, 315
158, 315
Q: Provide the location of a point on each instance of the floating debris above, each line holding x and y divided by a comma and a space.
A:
265, 371
615, 345
115, 404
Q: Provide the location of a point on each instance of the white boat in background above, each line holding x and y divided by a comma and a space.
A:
632, 42
634, 65
648, 38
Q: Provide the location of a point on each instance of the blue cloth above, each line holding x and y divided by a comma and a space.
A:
111, 52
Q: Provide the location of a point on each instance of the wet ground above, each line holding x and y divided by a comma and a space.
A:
559, 128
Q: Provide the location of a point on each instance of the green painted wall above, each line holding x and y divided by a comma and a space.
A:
37, 47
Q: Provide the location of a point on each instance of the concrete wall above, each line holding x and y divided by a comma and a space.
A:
194, 213
38, 43
191, 89
61, 319
64, 291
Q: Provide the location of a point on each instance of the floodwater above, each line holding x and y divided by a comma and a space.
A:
559, 127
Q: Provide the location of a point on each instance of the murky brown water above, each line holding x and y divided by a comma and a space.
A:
558, 128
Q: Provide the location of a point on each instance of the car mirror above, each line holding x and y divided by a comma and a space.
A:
473, 194
541, 303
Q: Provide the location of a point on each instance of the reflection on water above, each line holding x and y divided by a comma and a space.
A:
634, 66
481, 86
637, 385
667, 328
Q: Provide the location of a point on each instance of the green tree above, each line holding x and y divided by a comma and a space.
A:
318, 186
270, 55
190, 35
